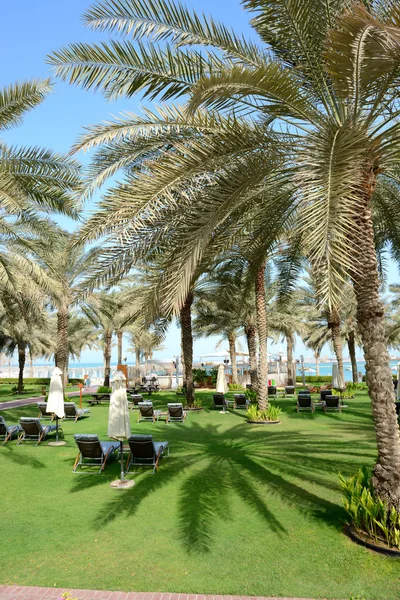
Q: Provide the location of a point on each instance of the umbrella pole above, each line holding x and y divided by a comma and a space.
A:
122, 461
56, 428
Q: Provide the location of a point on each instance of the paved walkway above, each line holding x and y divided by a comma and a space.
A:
34, 399
14, 592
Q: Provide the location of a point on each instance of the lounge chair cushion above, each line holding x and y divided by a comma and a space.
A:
93, 437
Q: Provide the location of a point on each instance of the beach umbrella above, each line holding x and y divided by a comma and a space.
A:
119, 426
222, 387
55, 401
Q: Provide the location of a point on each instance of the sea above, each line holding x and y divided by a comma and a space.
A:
77, 369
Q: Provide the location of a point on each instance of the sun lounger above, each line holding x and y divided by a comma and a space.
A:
43, 414
7, 432
219, 401
176, 413
135, 399
272, 391
304, 402
332, 403
34, 431
324, 394
72, 412
147, 412
145, 452
289, 390
241, 401
93, 452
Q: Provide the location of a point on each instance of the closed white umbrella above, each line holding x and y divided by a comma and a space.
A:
222, 387
119, 426
55, 401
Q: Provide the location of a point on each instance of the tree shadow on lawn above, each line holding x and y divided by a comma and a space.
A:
251, 464
17, 455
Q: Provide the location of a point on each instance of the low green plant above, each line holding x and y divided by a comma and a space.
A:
315, 378
368, 513
197, 403
233, 387
200, 376
103, 389
253, 413
251, 394
15, 389
271, 413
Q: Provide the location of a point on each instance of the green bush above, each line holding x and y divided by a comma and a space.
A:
233, 387
269, 414
35, 380
315, 379
103, 389
251, 394
368, 513
199, 376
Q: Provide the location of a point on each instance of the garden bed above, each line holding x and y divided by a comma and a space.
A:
193, 408
365, 540
263, 422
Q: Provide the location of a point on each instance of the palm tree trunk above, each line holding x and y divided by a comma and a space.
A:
351, 344
107, 356
182, 365
289, 352
316, 356
137, 364
232, 354
251, 333
334, 326
119, 339
21, 365
262, 328
61, 354
371, 322
187, 346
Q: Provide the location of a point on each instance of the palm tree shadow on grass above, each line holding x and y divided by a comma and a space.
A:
18, 456
215, 466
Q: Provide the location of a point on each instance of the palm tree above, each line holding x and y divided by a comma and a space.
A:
330, 75
33, 181
24, 324
101, 309
214, 312
67, 264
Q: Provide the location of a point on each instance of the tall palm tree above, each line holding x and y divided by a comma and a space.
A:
67, 264
330, 75
24, 323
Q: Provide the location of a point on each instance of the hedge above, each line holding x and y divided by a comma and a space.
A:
35, 380
315, 378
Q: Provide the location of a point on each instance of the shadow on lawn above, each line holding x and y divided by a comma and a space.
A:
250, 463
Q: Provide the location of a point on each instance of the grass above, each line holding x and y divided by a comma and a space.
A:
235, 509
30, 391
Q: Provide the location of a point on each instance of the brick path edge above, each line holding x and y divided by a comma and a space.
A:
14, 592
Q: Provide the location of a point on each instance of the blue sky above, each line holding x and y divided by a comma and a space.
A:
30, 31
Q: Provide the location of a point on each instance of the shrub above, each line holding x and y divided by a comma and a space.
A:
15, 388
235, 386
251, 394
36, 380
315, 378
269, 414
200, 376
368, 513
103, 389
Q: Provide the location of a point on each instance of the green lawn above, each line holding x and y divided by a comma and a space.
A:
235, 509
31, 391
